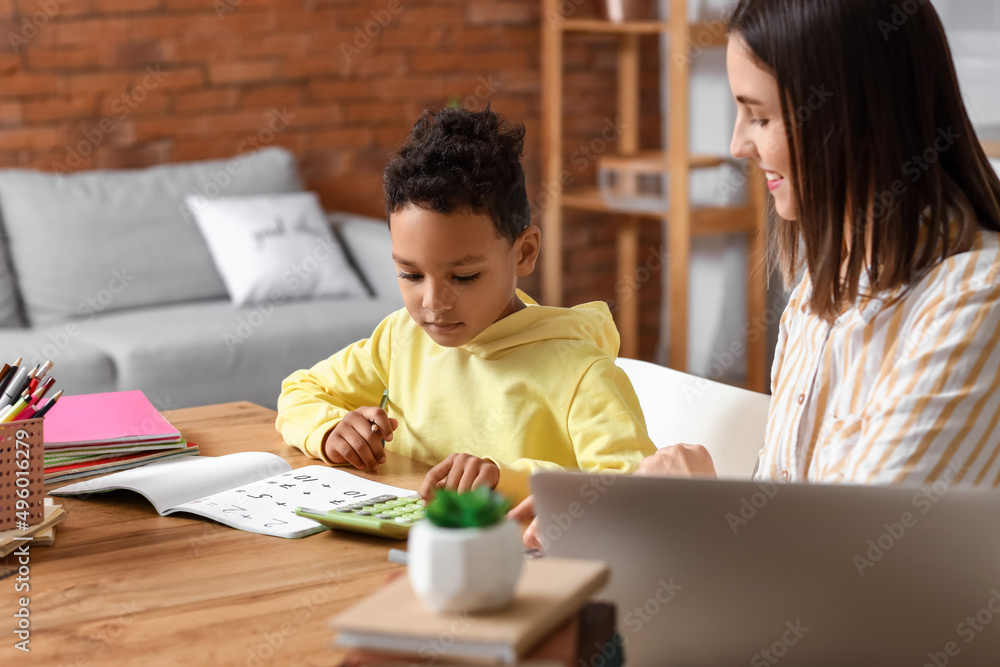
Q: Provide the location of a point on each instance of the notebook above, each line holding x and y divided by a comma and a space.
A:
72, 467
102, 419
252, 491
393, 620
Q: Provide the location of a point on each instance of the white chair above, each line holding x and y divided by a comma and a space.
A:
680, 408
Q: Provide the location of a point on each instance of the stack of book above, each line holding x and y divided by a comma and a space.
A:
99, 433
40, 535
549, 623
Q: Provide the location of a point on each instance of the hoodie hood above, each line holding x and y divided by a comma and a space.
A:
588, 323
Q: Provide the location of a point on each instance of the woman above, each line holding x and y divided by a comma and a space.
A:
887, 368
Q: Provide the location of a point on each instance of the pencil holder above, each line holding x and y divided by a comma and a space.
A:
22, 474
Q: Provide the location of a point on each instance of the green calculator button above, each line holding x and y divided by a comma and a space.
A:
388, 517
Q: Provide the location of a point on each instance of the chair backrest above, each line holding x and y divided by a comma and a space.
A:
680, 408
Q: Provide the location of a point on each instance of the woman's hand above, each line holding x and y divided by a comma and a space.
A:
679, 461
461, 472
523, 512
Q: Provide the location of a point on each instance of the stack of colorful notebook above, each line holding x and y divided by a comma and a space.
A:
99, 433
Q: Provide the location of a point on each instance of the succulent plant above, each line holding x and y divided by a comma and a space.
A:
478, 508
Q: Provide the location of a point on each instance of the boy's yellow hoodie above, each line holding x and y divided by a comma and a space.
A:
537, 390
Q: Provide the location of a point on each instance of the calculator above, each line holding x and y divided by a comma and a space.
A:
385, 516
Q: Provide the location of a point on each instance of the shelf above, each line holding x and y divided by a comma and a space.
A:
624, 28
704, 34
989, 136
658, 161
705, 220
684, 41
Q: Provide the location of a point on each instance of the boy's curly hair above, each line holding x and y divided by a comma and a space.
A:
458, 159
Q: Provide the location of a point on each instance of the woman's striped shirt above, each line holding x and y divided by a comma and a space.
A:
899, 389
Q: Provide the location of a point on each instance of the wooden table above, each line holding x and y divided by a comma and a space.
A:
125, 586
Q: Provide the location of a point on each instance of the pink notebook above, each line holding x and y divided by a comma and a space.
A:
101, 419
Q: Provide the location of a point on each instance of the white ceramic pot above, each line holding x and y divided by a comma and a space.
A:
464, 569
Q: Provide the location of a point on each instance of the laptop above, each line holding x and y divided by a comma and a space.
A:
715, 573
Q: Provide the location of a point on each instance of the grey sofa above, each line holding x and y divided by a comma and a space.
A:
105, 273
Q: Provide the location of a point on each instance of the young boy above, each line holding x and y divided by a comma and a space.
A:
482, 386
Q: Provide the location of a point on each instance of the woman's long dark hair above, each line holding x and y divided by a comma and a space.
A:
879, 138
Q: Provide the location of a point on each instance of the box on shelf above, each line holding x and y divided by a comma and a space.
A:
640, 182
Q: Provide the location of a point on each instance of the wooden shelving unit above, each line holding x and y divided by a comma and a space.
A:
990, 137
684, 221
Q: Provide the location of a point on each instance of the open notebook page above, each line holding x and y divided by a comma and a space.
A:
268, 506
171, 483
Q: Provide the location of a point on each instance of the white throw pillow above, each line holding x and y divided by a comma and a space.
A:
274, 248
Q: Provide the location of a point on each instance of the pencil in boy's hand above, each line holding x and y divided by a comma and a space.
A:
384, 402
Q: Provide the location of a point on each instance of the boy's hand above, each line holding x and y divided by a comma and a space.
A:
462, 472
353, 440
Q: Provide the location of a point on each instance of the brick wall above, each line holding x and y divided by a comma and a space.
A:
127, 83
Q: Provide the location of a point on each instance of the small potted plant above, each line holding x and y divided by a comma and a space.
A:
465, 557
